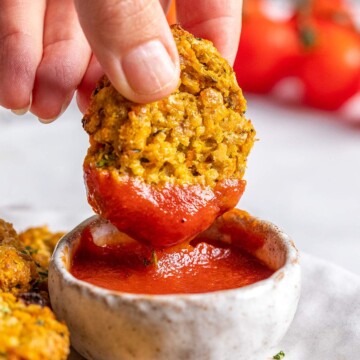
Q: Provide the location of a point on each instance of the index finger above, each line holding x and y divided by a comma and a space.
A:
21, 32
215, 20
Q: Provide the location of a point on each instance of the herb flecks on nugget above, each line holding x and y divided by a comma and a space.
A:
163, 171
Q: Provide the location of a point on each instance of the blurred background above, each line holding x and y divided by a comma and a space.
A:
299, 66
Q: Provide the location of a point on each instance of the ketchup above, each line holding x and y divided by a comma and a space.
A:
163, 215
199, 266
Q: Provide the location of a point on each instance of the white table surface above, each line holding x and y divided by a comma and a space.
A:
303, 175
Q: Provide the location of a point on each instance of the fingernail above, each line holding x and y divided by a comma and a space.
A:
148, 68
24, 110
47, 121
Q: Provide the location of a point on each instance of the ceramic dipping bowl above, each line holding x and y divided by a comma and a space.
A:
238, 324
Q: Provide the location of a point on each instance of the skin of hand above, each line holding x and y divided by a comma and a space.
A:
50, 48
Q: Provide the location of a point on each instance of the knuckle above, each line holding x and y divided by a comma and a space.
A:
16, 55
122, 15
61, 65
17, 69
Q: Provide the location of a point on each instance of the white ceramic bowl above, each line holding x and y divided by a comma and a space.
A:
237, 324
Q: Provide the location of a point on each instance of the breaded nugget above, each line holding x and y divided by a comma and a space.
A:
30, 332
7, 232
8, 235
196, 135
24, 259
17, 269
40, 242
180, 160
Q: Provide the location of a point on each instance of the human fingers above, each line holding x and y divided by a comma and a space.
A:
88, 83
215, 20
94, 72
165, 4
66, 56
21, 32
133, 43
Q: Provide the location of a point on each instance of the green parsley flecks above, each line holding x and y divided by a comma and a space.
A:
280, 355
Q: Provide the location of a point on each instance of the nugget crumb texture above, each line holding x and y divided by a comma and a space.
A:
8, 234
197, 135
40, 242
30, 332
25, 257
17, 268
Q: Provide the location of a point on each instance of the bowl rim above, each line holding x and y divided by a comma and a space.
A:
57, 265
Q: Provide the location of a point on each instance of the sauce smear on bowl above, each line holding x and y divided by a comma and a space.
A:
198, 266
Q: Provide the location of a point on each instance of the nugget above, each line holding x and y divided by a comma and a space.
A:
40, 242
162, 172
24, 258
17, 269
7, 232
8, 235
30, 332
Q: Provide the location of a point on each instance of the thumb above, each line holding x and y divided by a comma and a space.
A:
134, 45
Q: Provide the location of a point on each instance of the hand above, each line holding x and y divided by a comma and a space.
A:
45, 56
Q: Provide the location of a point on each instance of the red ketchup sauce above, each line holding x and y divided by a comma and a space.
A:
201, 265
161, 216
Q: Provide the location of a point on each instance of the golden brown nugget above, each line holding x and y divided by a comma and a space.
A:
40, 242
162, 172
17, 268
30, 332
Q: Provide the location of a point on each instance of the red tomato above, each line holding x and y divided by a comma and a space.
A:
330, 68
252, 8
325, 6
268, 52
337, 11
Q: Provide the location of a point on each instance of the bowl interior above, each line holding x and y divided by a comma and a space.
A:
257, 237
261, 239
